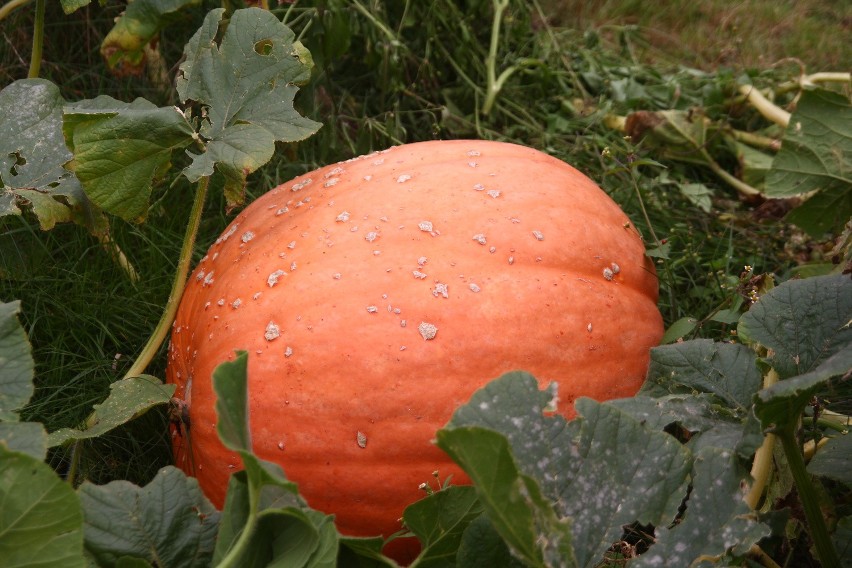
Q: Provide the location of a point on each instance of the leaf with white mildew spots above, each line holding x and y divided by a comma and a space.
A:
717, 521
601, 471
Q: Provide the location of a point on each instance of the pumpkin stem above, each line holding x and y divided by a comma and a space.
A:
178, 284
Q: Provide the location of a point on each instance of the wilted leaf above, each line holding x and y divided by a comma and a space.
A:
247, 84
717, 520
16, 363
128, 399
803, 322
41, 523
119, 148
817, 156
168, 522
124, 46
32, 152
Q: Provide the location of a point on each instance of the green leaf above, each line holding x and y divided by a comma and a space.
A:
32, 152
247, 83
679, 329
803, 322
512, 501
439, 521
41, 523
26, 437
784, 401
16, 363
698, 194
716, 521
824, 212
602, 470
482, 547
124, 46
264, 521
817, 155
128, 398
834, 460
726, 370
120, 148
842, 539
363, 553
230, 381
168, 522
70, 6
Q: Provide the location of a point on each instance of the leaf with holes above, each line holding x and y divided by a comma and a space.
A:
601, 471
32, 154
245, 84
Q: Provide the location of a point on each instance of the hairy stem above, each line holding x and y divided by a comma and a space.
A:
178, 284
38, 40
808, 496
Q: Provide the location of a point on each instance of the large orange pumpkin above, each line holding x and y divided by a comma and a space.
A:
374, 296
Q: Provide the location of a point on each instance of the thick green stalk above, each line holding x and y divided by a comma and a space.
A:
38, 40
808, 496
493, 86
178, 285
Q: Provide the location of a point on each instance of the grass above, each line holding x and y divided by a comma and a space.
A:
395, 72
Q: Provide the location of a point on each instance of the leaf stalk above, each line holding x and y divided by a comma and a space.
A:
178, 284
808, 496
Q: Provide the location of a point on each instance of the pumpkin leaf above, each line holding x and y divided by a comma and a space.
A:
483, 547
834, 460
803, 322
16, 363
709, 424
41, 522
603, 470
725, 370
784, 401
439, 521
284, 530
32, 154
128, 399
512, 501
168, 522
815, 156
26, 437
363, 552
246, 83
124, 46
715, 510
120, 148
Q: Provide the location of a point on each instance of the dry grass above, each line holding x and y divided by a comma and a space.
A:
714, 33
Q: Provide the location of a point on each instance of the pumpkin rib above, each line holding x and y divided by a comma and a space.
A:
511, 280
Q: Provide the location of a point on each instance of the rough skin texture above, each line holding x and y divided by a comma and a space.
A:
375, 295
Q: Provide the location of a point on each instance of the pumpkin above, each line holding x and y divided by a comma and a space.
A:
374, 296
